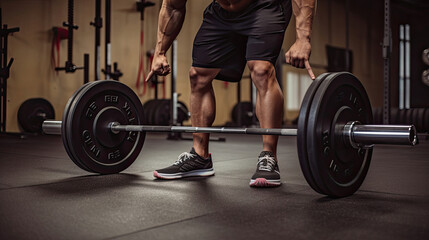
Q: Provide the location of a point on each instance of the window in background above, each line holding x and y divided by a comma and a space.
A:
404, 66
296, 86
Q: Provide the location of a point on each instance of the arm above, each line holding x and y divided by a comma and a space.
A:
171, 17
299, 53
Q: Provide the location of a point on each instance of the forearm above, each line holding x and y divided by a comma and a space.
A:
304, 11
171, 17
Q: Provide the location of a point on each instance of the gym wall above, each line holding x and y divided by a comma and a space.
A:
416, 18
32, 74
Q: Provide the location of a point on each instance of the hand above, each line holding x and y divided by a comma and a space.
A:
160, 66
299, 54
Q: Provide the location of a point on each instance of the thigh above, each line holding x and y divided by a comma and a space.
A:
217, 45
217, 49
213, 49
264, 47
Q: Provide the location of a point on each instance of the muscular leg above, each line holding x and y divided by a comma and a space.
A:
203, 106
269, 101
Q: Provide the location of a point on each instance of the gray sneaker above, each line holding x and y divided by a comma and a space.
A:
267, 172
187, 165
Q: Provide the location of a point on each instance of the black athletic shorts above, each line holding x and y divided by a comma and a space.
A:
227, 40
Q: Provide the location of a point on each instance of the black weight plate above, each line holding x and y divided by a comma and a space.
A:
162, 116
246, 113
409, 116
302, 131
148, 108
33, 112
145, 106
64, 132
378, 117
88, 135
419, 124
414, 116
426, 120
152, 110
338, 169
161, 113
182, 112
423, 120
420, 112
152, 106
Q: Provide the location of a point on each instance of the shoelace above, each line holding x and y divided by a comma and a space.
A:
268, 165
183, 157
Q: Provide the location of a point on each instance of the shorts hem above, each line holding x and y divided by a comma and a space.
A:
205, 66
272, 61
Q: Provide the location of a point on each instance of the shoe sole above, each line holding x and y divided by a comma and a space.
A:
195, 173
262, 182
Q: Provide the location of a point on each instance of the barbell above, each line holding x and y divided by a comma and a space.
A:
102, 131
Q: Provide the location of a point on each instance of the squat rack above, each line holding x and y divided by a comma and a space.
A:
4, 69
387, 50
70, 67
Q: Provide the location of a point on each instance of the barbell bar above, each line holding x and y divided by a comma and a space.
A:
103, 131
357, 135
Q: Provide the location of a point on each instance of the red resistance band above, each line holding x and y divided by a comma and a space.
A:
141, 76
59, 34
163, 86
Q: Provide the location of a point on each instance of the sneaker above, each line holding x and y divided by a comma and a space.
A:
187, 165
267, 172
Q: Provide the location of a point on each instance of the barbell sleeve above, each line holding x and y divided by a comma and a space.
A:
389, 134
52, 127
364, 135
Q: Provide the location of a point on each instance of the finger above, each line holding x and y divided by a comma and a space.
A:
301, 63
309, 70
164, 73
287, 55
149, 76
291, 61
166, 69
161, 70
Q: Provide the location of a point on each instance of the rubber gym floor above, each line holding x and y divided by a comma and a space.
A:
43, 195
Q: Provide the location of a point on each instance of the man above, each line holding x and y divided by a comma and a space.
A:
233, 33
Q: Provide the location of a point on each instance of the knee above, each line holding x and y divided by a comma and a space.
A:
199, 81
262, 73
